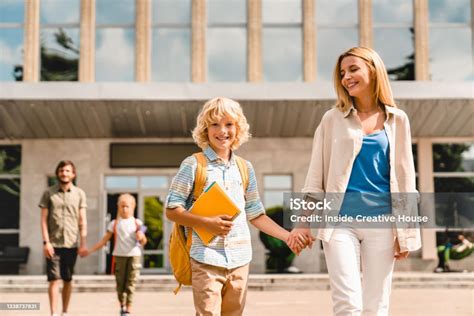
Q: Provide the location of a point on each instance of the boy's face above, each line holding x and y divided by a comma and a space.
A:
126, 207
221, 134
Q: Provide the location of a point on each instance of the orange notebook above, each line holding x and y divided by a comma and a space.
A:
213, 202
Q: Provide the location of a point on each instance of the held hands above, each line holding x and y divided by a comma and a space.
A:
300, 238
83, 251
219, 225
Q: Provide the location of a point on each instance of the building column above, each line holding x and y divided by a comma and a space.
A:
309, 42
31, 44
87, 42
198, 45
254, 41
421, 27
365, 23
472, 34
426, 185
143, 40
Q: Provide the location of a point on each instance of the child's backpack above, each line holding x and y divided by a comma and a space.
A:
180, 246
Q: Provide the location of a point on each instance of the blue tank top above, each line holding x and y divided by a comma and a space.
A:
368, 191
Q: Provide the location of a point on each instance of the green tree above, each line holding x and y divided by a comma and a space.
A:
56, 65
10, 163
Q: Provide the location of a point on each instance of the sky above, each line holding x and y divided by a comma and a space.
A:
450, 49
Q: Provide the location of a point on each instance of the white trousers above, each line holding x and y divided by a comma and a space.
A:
345, 251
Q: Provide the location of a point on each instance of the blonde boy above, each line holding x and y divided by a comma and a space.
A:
127, 254
220, 269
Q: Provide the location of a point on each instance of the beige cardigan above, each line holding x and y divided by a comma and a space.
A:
338, 140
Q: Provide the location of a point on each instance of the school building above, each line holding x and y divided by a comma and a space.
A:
115, 86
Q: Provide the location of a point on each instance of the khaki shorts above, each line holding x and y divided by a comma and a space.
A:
219, 291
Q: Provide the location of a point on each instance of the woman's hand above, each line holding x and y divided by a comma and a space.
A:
300, 238
400, 255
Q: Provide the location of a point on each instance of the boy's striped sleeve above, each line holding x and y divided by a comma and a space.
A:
253, 205
182, 184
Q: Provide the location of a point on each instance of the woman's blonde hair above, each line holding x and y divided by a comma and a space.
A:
382, 89
213, 111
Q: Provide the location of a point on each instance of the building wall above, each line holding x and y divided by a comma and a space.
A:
92, 162
91, 156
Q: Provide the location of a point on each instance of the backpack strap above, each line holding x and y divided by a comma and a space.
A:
201, 174
199, 183
137, 225
244, 171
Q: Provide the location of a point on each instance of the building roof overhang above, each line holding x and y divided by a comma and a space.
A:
106, 110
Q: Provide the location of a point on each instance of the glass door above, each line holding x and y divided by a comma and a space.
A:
150, 193
156, 249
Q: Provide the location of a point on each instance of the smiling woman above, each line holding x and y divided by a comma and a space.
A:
364, 105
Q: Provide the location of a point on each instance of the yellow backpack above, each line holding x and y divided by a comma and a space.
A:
180, 246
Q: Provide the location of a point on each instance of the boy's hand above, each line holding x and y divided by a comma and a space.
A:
141, 238
48, 250
300, 238
219, 225
85, 252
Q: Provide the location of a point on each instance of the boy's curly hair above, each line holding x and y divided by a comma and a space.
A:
213, 111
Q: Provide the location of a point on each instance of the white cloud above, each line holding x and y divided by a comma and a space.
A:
10, 54
449, 11
227, 51
450, 54
329, 49
281, 11
60, 11
334, 12
171, 60
392, 11
115, 55
282, 54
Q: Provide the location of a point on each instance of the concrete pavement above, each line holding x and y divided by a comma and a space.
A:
404, 302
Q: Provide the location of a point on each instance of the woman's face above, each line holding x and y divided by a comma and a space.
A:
356, 77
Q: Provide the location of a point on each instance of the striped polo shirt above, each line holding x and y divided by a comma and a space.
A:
235, 249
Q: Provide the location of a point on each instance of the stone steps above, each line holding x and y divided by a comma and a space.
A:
257, 282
